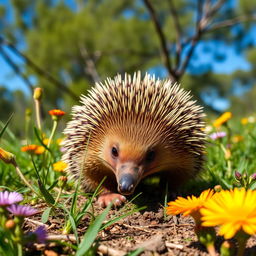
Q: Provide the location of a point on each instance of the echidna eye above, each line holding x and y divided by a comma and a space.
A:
150, 156
114, 152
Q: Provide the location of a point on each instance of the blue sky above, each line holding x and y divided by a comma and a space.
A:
234, 60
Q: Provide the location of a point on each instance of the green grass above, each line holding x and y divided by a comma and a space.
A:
219, 169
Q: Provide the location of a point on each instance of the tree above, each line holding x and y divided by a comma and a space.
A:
69, 45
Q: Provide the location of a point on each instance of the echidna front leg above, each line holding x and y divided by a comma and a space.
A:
108, 197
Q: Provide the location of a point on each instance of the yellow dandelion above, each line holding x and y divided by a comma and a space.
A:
237, 138
189, 205
232, 210
40, 150
222, 119
59, 166
244, 121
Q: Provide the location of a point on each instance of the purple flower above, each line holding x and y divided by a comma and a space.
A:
217, 135
41, 234
8, 198
22, 210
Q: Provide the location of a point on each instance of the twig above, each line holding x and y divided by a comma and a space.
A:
90, 65
141, 228
15, 68
194, 41
164, 47
174, 246
178, 32
110, 251
38, 69
38, 223
70, 238
230, 22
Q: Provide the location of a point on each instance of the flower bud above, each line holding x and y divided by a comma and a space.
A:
238, 175
28, 112
10, 224
38, 93
227, 248
62, 181
7, 157
253, 176
217, 188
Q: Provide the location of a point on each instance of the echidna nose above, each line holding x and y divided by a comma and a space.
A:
126, 184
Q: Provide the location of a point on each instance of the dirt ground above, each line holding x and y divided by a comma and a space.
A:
148, 229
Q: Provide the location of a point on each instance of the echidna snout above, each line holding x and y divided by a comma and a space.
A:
128, 161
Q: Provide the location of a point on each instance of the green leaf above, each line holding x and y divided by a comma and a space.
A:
5, 126
73, 225
46, 214
48, 197
135, 252
91, 233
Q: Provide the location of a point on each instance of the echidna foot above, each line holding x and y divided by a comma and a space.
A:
106, 198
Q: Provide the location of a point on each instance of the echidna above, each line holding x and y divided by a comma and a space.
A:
127, 129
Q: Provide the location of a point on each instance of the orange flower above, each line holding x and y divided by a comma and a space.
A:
57, 112
189, 205
29, 148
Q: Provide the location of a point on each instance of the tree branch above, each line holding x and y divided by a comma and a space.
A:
195, 39
39, 70
230, 22
90, 65
178, 30
16, 69
164, 47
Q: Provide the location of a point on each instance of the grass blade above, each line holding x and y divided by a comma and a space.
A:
135, 252
91, 233
5, 126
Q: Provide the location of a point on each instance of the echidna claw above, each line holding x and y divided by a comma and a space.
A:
105, 199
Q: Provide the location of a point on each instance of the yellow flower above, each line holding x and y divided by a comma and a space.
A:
59, 141
45, 141
59, 166
39, 150
237, 138
222, 119
188, 205
233, 210
244, 121
227, 153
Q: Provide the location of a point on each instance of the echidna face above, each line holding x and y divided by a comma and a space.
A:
130, 162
